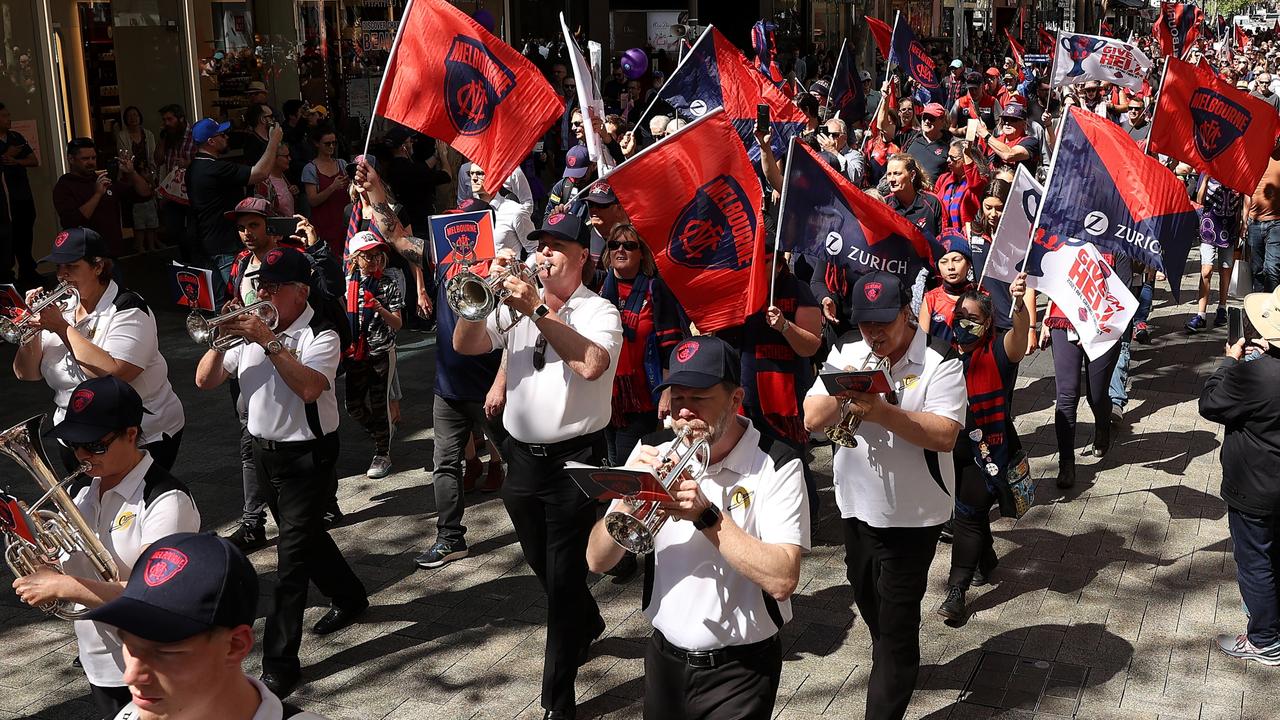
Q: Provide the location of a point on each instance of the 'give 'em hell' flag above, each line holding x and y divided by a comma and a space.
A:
451, 79
1216, 129
696, 201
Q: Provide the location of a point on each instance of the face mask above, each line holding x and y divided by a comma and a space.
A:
966, 331
956, 288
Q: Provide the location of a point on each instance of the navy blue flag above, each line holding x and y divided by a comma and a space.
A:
1105, 190
826, 217
911, 56
847, 100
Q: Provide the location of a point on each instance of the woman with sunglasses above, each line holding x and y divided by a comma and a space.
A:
652, 324
989, 447
325, 180
961, 184
110, 331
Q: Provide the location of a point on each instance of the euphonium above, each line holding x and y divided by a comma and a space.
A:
635, 530
208, 331
21, 330
36, 537
842, 433
473, 297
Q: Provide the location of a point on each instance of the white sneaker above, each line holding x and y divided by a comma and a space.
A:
380, 467
1240, 647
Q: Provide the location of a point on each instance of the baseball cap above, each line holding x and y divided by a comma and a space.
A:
972, 78
934, 109
250, 206
257, 86
565, 226
956, 63
74, 244
864, 76
183, 585
472, 204
820, 87
99, 406
993, 72
283, 264
576, 162
703, 361
878, 297
320, 110
1015, 111
601, 193
208, 128
363, 240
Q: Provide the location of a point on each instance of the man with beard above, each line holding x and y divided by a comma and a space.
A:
715, 652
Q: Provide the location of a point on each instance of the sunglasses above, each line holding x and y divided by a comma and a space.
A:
576, 123
954, 158
94, 447
270, 288
628, 245
540, 353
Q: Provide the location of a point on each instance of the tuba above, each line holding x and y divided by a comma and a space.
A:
842, 433
208, 331
21, 330
634, 529
35, 536
473, 297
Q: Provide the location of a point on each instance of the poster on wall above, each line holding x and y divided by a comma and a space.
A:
232, 26
659, 30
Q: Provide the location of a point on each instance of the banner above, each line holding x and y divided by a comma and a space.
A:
1009, 242
907, 52
1018, 53
1216, 129
1081, 58
449, 78
1177, 27
588, 99
847, 100
191, 286
766, 49
883, 34
1094, 298
459, 236
696, 202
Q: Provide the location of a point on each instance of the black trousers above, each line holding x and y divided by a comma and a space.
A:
367, 397
889, 571
1068, 357
744, 689
109, 701
972, 546
552, 519
299, 481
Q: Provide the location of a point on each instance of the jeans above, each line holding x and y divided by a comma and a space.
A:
622, 440
1256, 539
1264, 246
972, 546
453, 421
366, 400
221, 266
1119, 390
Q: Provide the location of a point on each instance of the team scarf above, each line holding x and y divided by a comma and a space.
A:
626, 397
988, 430
361, 311
773, 368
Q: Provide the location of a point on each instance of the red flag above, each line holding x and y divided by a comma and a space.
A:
1213, 127
449, 78
1047, 42
1104, 29
696, 201
1018, 52
1242, 39
1177, 27
883, 34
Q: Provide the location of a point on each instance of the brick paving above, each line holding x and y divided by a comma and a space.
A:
1107, 599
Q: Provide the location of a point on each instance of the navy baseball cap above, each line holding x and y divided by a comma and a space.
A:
75, 244
99, 406
206, 129
601, 193
565, 226
576, 162
1014, 111
878, 297
703, 361
283, 264
183, 585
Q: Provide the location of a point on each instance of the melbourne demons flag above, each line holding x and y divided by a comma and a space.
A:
449, 78
696, 201
883, 33
825, 216
1177, 27
910, 55
1105, 190
847, 100
457, 237
1216, 129
1081, 58
191, 286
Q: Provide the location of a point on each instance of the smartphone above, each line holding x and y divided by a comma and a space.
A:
282, 226
762, 118
1235, 325
351, 170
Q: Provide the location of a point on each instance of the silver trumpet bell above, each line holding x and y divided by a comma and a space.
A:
22, 330
37, 537
473, 297
208, 331
635, 527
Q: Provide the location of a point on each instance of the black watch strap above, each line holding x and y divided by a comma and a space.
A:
541, 311
708, 519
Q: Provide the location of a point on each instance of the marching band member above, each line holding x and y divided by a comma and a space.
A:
110, 332
895, 489
287, 380
561, 360
718, 587
130, 500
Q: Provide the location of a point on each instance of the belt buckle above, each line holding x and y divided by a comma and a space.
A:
702, 660
538, 450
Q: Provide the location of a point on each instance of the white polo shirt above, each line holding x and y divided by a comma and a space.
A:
269, 709
275, 411
123, 326
147, 505
698, 600
555, 403
886, 481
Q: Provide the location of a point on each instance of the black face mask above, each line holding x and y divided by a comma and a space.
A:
957, 288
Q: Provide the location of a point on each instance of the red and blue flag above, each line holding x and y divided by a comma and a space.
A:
847, 100
907, 52
766, 47
1177, 27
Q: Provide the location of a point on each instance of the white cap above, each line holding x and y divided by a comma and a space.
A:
363, 240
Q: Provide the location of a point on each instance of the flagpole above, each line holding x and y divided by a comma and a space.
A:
1155, 108
391, 57
831, 88
658, 96
782, 209
1048, 182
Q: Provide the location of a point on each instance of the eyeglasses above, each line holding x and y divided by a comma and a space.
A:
270, 288
628, 245
540, 353
95, 447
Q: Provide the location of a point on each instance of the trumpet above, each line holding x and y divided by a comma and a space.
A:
37, 538
842, 433
22, 329
473, 297
208, 331
634, 529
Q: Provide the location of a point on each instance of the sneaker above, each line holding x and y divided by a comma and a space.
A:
952, 608
442, 553
1220, 317
247, 537
1239, 646
1117, 414
332, 516
1196, 323
379, 468
1142, 333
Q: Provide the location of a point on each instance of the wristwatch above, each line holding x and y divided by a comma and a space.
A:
273, 347
540, 312
708, 519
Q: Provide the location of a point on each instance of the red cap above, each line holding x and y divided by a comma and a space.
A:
934, 109
992, 72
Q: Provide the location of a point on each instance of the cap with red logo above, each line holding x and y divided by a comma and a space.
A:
364, 240
565, 226
878, 297
283, 264
703, 361
250, 206
576, 162
183, 585
75, 244
601, 193
99, 406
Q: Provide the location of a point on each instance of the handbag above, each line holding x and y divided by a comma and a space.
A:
1021, 486
174, 186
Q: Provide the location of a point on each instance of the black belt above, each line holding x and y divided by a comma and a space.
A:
272, 445
558, 448
706, 659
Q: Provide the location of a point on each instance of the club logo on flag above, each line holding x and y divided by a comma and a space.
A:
922, 66
475, 82
80, 400
1079, 48
716, 229
462, 236
189, 283
1219, 121
162, 566
872, 290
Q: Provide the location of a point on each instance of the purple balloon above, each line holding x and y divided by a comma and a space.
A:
634, 63
485, 18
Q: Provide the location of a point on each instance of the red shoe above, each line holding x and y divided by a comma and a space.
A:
493, 482
471, 474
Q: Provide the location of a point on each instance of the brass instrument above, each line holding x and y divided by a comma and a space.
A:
55, 531
22, 330
842, 433
208, 331
473, 297
635, 530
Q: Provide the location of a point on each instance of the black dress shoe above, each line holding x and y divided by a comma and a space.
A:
281, 684
338, 618
559, 715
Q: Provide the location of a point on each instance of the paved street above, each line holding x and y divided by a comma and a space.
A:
1105, 607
